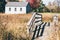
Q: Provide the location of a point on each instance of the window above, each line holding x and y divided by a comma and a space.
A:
9, 9
20, 9
15, 9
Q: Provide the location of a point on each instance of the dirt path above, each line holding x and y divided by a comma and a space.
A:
50, 33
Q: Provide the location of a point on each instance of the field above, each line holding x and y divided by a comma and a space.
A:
14, 26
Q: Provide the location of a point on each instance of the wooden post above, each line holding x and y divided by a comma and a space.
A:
55, 23
55, 20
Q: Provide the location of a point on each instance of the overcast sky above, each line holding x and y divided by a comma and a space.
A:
47, 1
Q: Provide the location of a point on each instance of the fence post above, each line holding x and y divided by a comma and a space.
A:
55, 19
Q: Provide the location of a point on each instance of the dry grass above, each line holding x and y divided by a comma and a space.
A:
15, 25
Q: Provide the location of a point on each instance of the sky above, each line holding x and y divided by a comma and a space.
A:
47, 1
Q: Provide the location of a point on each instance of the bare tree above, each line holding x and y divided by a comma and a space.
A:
58, 4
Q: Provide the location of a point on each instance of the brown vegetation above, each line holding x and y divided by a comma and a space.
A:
15, 25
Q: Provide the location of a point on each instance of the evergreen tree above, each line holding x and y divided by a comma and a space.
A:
2, 5
40, 8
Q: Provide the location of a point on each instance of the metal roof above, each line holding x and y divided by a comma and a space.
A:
16, 4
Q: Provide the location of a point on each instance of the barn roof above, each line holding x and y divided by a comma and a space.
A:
16, 4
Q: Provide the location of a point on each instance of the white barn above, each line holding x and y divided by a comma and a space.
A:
17, 8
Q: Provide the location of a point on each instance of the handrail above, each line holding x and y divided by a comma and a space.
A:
31, 20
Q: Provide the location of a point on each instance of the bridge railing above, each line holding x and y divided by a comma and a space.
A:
31, 19
30, 24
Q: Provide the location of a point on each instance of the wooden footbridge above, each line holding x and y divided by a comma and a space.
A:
38, 28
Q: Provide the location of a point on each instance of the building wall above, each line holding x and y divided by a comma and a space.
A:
15, 12
22, 0
11, 0
26, 1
